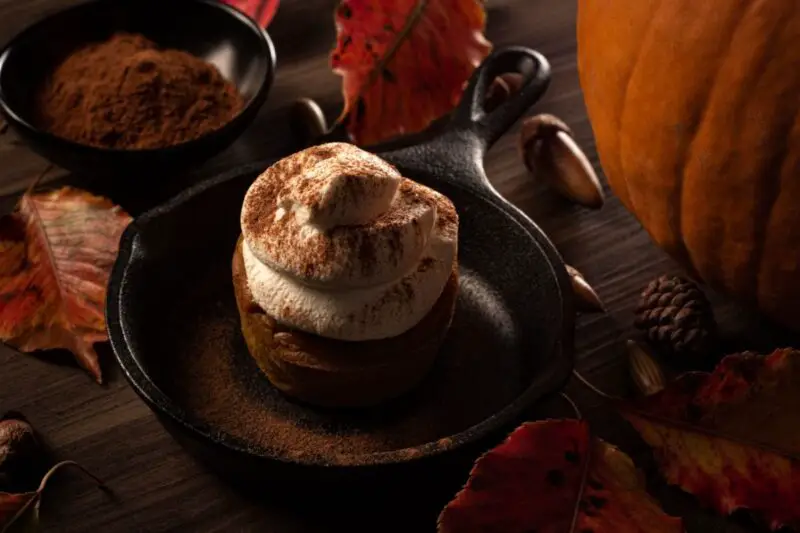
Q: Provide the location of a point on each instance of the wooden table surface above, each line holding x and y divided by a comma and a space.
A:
158, 487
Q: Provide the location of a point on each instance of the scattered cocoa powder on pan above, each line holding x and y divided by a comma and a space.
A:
205, 367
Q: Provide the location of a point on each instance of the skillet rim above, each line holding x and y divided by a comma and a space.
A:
551, 380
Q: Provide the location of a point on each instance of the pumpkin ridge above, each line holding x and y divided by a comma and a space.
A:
651, 24
765, 299
769, 201
764, 214
676, 201
774, 187
770, 188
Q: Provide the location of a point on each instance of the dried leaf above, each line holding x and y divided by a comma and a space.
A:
731, 437
554, 477
11, 505
56, 253
262, 11
404, 63
26, 517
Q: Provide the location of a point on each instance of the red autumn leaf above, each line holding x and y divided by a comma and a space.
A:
262, 11
56, 253
554, 477
404, 63
11, 504
731, 437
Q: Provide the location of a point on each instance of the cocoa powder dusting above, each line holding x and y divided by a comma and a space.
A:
127, 93
344, 251
367, 255
199, 360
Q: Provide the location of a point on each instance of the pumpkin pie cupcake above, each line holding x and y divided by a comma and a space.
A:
345, 276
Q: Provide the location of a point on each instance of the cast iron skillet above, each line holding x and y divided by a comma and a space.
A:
171, 310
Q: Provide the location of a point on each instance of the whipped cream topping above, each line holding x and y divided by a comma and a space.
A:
339, 244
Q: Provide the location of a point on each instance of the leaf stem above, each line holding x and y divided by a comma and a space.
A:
410, 22
574, 406
584, 476
21, 511
592, 387
39, 178
37, 496
63, 464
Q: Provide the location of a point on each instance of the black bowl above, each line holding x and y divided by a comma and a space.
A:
208, 29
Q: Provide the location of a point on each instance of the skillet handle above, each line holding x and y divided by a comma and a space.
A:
470, 114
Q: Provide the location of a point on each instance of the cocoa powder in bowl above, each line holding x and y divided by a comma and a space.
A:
205, 367
128, 93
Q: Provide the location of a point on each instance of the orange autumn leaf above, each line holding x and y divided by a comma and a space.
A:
404, 63
555, 477
56, 253
731, 437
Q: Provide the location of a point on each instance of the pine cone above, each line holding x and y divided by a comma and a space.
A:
677, 318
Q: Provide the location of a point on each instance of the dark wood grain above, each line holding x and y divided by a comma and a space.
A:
158, 487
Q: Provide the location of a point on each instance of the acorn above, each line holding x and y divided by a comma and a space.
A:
551, 154
21, 455
501, 90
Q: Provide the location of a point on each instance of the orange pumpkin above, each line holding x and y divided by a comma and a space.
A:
694, 106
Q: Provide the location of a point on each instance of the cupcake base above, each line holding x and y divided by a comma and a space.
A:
334, 373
